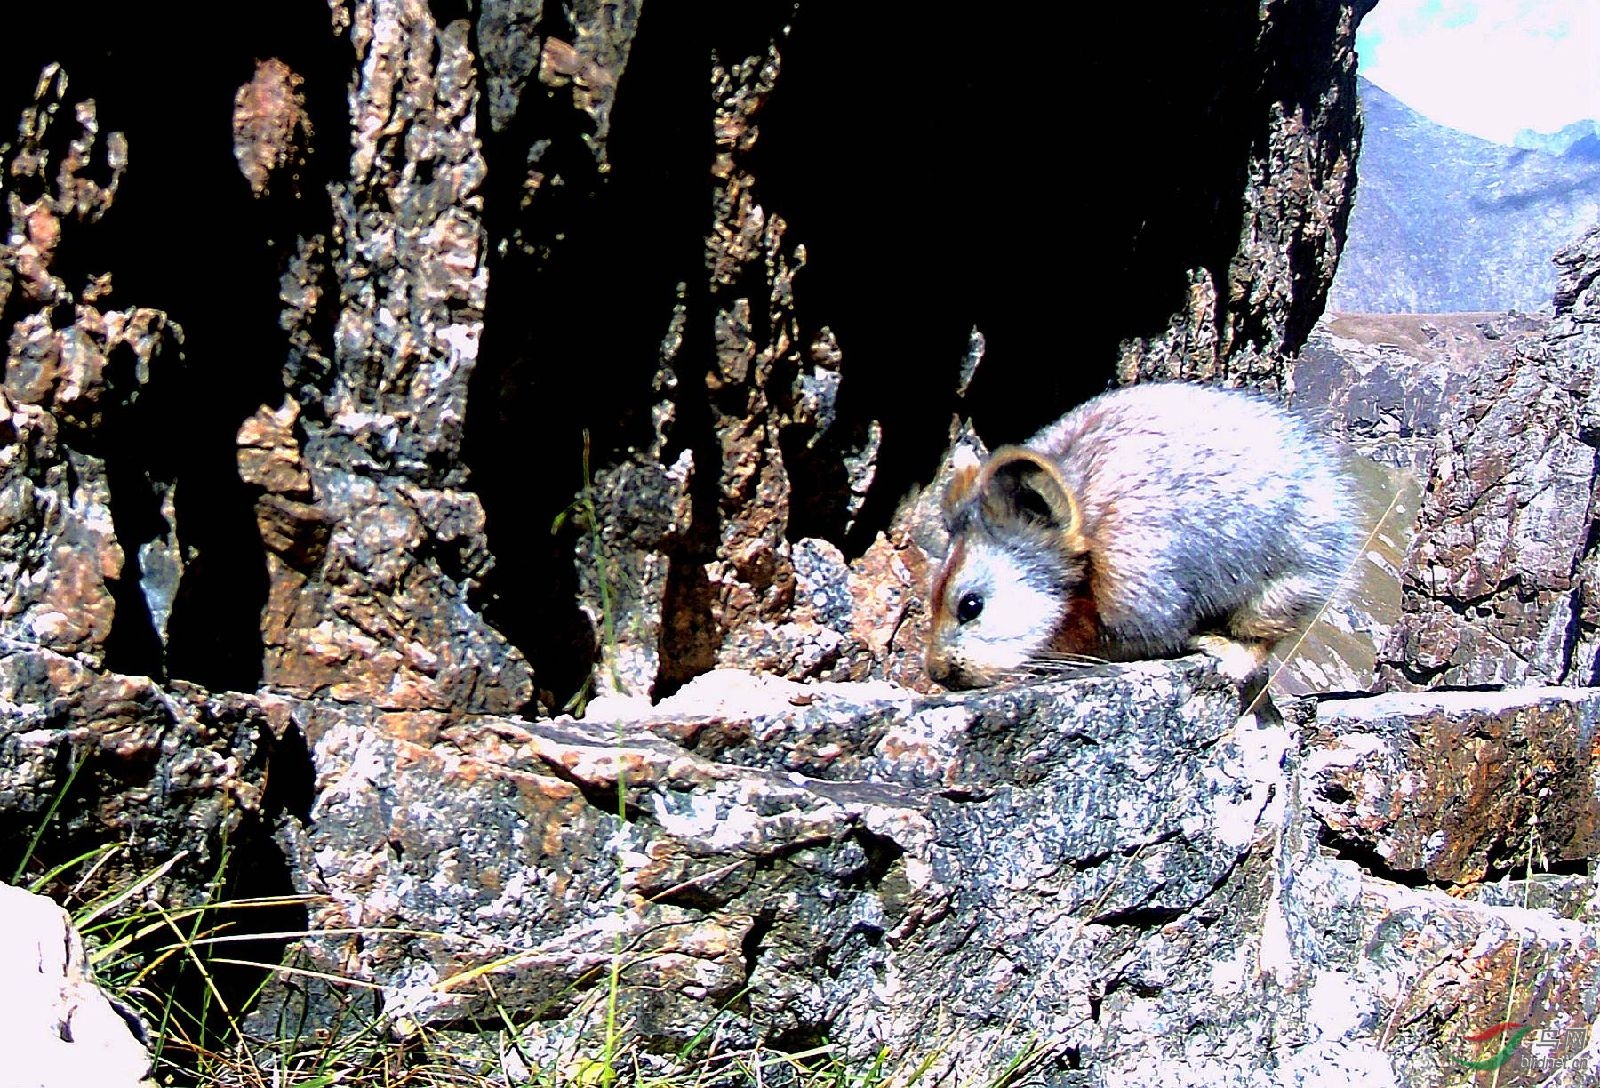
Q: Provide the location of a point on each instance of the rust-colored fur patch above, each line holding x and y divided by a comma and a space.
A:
1080, 631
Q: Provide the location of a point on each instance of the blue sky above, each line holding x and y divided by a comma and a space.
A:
1488, 67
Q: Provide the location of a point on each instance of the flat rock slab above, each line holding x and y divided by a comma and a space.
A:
903, 869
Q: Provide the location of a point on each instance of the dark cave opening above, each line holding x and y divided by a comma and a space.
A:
1056, 206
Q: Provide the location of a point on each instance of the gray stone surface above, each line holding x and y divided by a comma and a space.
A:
173, 774
1159, 890
74, 372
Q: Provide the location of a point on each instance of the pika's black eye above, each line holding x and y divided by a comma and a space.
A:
969, 607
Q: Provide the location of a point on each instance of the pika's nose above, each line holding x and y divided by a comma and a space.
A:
938, 665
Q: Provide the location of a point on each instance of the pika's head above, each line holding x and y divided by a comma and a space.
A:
1017, 555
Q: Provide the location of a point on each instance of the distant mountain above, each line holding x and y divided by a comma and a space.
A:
1445, 222
1582, 135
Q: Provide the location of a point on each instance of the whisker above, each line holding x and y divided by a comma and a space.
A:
1047, 664
1068, 658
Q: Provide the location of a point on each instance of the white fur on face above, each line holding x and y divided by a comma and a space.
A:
1018, 616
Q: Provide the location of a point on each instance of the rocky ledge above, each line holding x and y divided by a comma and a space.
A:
1122, 877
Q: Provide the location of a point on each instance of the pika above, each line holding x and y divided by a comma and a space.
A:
1149, 521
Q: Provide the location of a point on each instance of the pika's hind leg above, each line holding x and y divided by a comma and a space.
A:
1280, 611
1237, 659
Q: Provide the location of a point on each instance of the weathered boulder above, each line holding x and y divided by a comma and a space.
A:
75, 371
1389, 384
178, 778
857, 889
1462, 786
59, 1030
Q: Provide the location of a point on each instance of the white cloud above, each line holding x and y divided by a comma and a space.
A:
1488, 67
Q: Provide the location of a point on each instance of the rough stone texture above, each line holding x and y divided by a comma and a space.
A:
1447, 785
58, 1029
1387, 384
1239, 321
727, 595
270, 128
623, 560
1497, 582
856, 890
1458, 785
1167, 895
73, 374
374, 542
171, 773
1114, 869
693, 565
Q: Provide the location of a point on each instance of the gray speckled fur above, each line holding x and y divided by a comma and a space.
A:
1152, 520
1200, 502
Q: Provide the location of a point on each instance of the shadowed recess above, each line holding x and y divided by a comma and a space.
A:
945, 177
941, 178
579, 302
185, 236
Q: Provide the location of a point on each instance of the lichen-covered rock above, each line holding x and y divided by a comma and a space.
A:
171, 773
1412, 791
1389, 776
885, 844
72, 376
374, 542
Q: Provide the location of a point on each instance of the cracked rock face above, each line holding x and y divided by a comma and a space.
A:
1115, 874
73, 377
858, 889
1498, 583
1390, 773
172, 774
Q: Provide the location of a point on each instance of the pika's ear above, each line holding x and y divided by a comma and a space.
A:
964, 466
1020, 486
